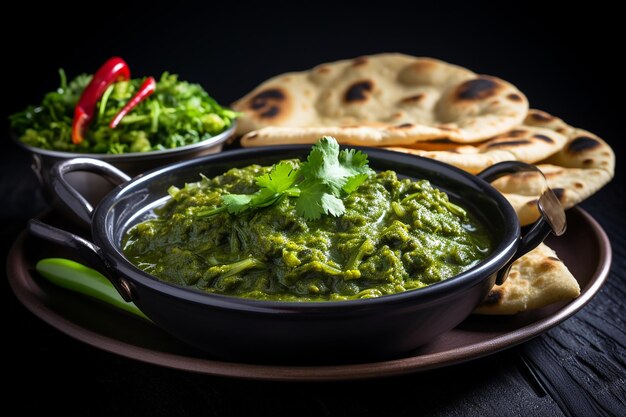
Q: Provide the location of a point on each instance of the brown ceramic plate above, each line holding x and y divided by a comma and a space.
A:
108, 329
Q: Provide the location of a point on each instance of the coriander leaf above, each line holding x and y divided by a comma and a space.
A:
334, 168
236, 203
327, 175
333, 205
309, 204
353, 158
354, 161
323, 151
323, 166
264, 197
354, 182
319, 184
316, 199
279, 179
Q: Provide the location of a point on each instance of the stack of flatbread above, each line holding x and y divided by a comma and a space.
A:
433, 109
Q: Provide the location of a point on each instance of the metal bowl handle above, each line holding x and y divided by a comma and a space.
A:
69, 195
85, 250
552, 218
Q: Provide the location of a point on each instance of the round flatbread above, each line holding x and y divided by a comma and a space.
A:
584, 165
583, 150
570, 185
379, 100
576, 163
524, 143
536, 280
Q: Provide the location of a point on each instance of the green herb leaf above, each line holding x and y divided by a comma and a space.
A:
356, 163
310, 202
279, 179
339, 170
319, 184
354, 182
329, 174
333, 205
236, 203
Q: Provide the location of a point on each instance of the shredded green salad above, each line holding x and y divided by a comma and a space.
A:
178, 113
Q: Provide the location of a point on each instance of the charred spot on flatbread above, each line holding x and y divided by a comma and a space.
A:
359, 91
269, 104
559, 192
543, 138
515, 133
515, 97
519, 142
270, 113
582, 144
416, 98
540, 116
494, 296
402, 126
362, 60
447, 128
478, 89
272, 93
547, 265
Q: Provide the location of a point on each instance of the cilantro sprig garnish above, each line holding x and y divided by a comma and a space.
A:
319, 184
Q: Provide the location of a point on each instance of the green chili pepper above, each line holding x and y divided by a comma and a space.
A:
81, 279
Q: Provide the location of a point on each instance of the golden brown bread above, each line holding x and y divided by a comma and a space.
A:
379, 100
536, 280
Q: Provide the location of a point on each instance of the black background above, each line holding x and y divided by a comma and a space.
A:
562, 58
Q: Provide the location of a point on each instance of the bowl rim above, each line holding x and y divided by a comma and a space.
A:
130, 156
436, 292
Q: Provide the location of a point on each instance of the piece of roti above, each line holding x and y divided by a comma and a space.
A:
576, 163
584, 149
536, 280
582, 167
570, 185
524, 143
379, 100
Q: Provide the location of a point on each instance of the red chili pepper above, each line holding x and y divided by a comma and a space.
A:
115, 69
147, 88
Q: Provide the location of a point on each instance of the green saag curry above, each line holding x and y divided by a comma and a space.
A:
391, 235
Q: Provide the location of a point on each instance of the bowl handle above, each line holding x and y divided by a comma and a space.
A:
84, 249
69, 195
552, 218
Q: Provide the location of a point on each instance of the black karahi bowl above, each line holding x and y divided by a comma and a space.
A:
297, 332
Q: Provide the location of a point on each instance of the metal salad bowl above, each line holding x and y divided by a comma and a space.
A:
296, 332
91, 186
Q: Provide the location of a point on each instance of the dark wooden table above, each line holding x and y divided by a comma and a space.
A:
577, 368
